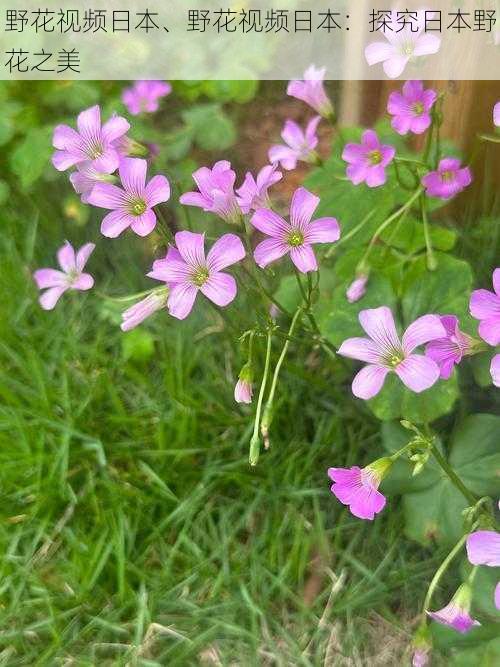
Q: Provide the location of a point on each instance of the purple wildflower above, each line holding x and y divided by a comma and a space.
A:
456, 614
216, 191
483, 548
141, 310
495, 370
368, 160
449, 179
411, 108
187, 271
385, 353
485, 306
132, 205
252, 195
71, 276
300, 144
145, 96
357, 289
402, 45
420, 658
496, 114
295, 237
449, 350
358, 488
312, 91
85, 178
93, 142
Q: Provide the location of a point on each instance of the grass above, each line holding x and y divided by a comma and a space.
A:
133, 529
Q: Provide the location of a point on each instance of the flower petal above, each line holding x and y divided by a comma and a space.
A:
323, 230
395, 65
495, 370
489, 330
363, 349
269, 251
483, 548
89, 122
115, 128
157, 190
270, 223
225, 251
484, 305
84, 282
83, 255
171, 269
417, 372
292, 135
377, 52
303, 205
133, 175
379, 325
106, 195
144, 224
51, 296
426, 45
49, 278
286, 156
114, 223
220, 288
304, 258
496, 281
369, 381
191, 247
66, 257
181, 300
424, 329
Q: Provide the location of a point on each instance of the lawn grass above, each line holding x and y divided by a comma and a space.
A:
133, 529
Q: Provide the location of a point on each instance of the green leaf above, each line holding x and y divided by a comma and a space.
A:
32, 156
435, 512
445, 290
395, 401
485, 654
409, 236
212, 129
138, 345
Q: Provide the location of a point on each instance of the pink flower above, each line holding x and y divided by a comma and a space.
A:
449, 351
411, 108
448, 180
91, 143
85, 177
358, 488
483, 548
71, 276
295, 237
357, 289
495, 370
216, 191
132, 205
485, 306
456, 613
300, 145
420, 658
312, 91
496, 114
252, 195
385, 353
141, 310
187, 272
145, 96
368, 160
402, 46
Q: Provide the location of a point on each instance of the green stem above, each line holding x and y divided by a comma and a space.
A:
266, 416
388, 221
255, 441
163, 226
350, 234
454, 478
431, 258
440, 571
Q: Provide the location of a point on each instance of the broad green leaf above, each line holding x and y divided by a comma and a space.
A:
32, 156
212, 129
138, 345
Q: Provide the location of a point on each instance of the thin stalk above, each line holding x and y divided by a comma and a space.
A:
350, 234
454, 478
266, 417
431, 258
440, 571
255, 441
163, 226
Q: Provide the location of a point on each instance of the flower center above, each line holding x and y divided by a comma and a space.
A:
137, 207
407, 49
447, 176
72, 276
200, 276
375, 157
394, 359
95, 149
418, 108
295, 238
